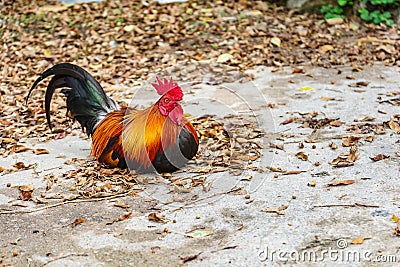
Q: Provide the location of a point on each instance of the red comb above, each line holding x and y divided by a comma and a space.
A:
164, 86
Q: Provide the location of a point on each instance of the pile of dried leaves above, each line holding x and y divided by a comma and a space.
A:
230, 144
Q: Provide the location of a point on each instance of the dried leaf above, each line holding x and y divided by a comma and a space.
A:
40, 151
302, 156
290, 120
335, 123
346, 159
334, 21
223, 58
368, 118
292, 172
272, 145
326, 48
19, 148
198, 233
298, 70
53, 9
350, 141
379, 157
26, 192
277, 211
306, 88
276, 41
394, 126
358, 241
123, 217
327, 98
397, 229
333, 145
77, 221
342, 182
155, 218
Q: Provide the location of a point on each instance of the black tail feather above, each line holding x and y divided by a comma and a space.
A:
86, 99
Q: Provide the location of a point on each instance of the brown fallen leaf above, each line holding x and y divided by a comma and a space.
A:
19, 148
369, 138
354, 154
350, 140
123, 217
121, 205
292, 172
326, 98
21, 166
379, 157
77, 221
346, 159
277, 210
359, 84
359, 241
302, 156
298, 70
26, 192
394, 126
397, 229
333, 145
368, 118
275, 169
40, 151
272, 145
342, 182
335, 123
290, 120
155, 218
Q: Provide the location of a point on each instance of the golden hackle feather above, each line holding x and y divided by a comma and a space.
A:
145, 133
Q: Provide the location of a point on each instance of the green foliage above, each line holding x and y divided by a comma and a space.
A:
381, 2
376, 17
345, 2
330, 11
380, 14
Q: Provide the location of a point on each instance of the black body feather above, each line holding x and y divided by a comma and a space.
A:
171, 159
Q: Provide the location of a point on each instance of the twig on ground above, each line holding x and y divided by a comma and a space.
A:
346, 205
66, 256
63, 203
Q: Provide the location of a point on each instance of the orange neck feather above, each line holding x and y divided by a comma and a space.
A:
145, 133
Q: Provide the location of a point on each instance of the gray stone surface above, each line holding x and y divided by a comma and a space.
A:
243, 234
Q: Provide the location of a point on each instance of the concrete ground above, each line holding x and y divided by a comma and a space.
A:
255, 219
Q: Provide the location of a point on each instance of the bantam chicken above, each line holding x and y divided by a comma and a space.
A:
157, 138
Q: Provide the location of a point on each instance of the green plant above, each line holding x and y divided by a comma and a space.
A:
345, 2
376, 17
381, 2
330, 11
377, 14
380, 14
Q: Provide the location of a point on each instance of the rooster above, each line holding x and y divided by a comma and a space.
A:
156, 138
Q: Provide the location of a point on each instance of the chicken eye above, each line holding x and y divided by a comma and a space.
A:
166, 100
